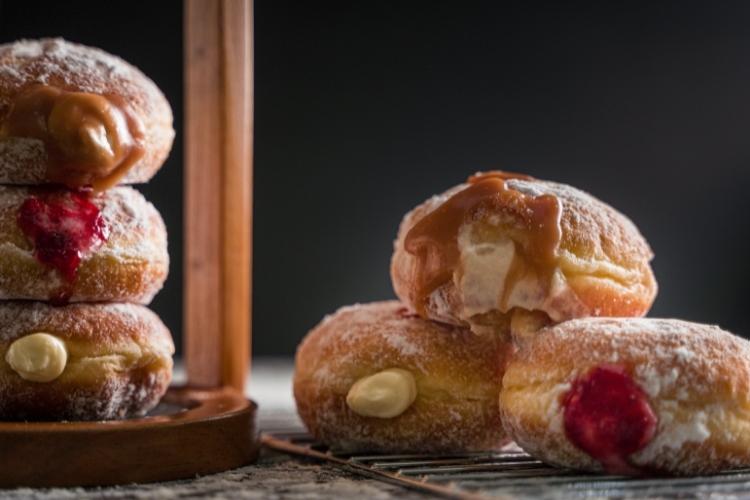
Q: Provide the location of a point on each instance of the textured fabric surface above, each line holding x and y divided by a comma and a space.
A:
274, 477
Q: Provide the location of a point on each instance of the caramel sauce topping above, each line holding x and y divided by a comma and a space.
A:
91, 140
534, 227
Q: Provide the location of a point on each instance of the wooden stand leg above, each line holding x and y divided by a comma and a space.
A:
218, 191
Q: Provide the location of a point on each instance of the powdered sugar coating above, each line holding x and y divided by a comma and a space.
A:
74, 67
119, 361
104, 324
602, 263
457, 375
670, 357
592, 229
697, 379
131, 265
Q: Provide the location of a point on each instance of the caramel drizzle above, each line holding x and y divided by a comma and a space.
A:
434, 239
90, 139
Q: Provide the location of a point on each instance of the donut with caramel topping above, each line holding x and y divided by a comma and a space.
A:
631, 396
505, 243
75, 115
375, 377
81, 361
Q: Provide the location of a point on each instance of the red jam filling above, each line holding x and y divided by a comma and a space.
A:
62, 226
607, 415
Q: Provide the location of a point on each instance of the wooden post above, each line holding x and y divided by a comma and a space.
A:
218, 191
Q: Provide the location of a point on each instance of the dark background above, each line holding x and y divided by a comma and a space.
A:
364, 109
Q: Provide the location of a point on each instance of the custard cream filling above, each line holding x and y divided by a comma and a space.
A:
386, 394
38, 357
43, 357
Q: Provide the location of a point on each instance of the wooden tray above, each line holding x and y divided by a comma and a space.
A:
191, 432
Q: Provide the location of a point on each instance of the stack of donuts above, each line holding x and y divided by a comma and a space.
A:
81, 253
520, 319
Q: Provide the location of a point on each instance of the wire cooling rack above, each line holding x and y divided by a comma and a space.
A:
508, 474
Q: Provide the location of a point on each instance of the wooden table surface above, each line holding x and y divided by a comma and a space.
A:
275, 476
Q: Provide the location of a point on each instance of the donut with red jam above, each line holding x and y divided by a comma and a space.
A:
60, 245
631, 396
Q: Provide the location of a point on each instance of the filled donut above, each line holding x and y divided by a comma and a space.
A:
81, 361
631, 396
503, 243
375, 377
63, 246
75, 115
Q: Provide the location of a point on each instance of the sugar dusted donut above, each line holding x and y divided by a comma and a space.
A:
631, 396
75, 115
375, 377
77, 246
503, 242
81, 361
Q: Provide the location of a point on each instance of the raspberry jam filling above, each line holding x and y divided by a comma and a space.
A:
62, 226
607, 415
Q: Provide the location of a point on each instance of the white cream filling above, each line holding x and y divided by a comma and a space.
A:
485, 268
482, 276
671, 435
554, 413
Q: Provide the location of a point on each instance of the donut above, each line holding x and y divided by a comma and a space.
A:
75, 115
504, 242
377, 378
631, 396
63, 246
81, 361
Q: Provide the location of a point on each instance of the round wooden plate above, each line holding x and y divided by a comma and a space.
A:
191, 432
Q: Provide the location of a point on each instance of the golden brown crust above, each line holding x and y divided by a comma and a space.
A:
78, 68
457, 375
131, 266
696, 378
603, 262
119, 361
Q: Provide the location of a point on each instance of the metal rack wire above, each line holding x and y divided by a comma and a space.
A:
510, 473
